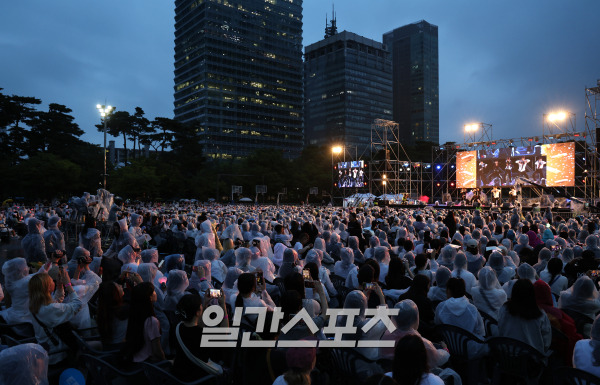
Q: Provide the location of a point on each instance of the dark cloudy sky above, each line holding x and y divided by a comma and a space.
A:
501, 62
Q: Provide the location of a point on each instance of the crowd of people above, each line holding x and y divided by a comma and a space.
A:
143, 278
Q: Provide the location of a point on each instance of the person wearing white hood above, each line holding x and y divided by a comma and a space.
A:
488, 296
315, 257
201, 277
230, 285
459, 312
135, 229
151, 256
218, 268
177, 283
206, 238
90, 238
382, 256
16, 280
524, 271
33, 243
243, 258
54, 239
344, 267
504, 273
122, 238
460, 271
129, 255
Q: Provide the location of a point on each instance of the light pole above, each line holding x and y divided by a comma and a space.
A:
337, 150
105, 112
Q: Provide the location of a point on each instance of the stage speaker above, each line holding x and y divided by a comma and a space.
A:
506, 205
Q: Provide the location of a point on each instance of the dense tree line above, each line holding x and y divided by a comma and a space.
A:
42, 157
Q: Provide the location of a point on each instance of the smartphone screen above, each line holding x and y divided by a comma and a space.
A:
259, 278
215, 293
306, 274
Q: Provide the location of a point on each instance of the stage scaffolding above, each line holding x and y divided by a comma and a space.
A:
592, 129
391, 172
586, 159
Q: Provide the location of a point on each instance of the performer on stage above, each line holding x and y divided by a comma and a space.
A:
496, 195
496, 174
508, 178
539, 173
513, 194
469, 196
523, 166
483, 172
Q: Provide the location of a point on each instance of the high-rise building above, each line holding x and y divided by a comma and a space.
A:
347, 85
238, 74
414, 50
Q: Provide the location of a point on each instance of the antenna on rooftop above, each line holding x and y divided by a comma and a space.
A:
331, 29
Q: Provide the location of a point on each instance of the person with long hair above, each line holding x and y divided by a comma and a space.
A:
112, 313
189, 310
142, 341
410, 363
521, 318
47, 314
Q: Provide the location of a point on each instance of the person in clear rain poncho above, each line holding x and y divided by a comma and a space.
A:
346, 265
90, 238
498, 264
122, 238
25, 364
33, 243
586, 355
437, 292
201, 276
407, 323
524, 271
230, 285
218, 268
54, 239
243, 258
16, 280
290, 263
460, 271
582, 297
177, 283
205, 238
488, 296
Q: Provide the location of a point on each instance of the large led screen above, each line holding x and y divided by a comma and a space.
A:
547, 165
351, 174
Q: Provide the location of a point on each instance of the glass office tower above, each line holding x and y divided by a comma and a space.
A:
238, 74
414, 50
347, 85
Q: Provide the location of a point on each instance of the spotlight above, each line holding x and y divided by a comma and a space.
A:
438, 167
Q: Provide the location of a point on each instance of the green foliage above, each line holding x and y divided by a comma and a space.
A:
46, 175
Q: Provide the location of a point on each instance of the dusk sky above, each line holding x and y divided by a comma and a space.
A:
501, 62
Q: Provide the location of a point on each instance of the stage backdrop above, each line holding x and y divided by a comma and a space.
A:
547, 164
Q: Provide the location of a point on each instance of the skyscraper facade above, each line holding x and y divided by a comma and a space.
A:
347, 85
414, 50
238, 74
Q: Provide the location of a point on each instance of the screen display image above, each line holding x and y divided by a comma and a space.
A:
351, 174
547, 165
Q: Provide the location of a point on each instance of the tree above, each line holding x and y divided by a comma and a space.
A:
16, 113
53, 131
161, 134
118, 123
46, 175
139, 126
